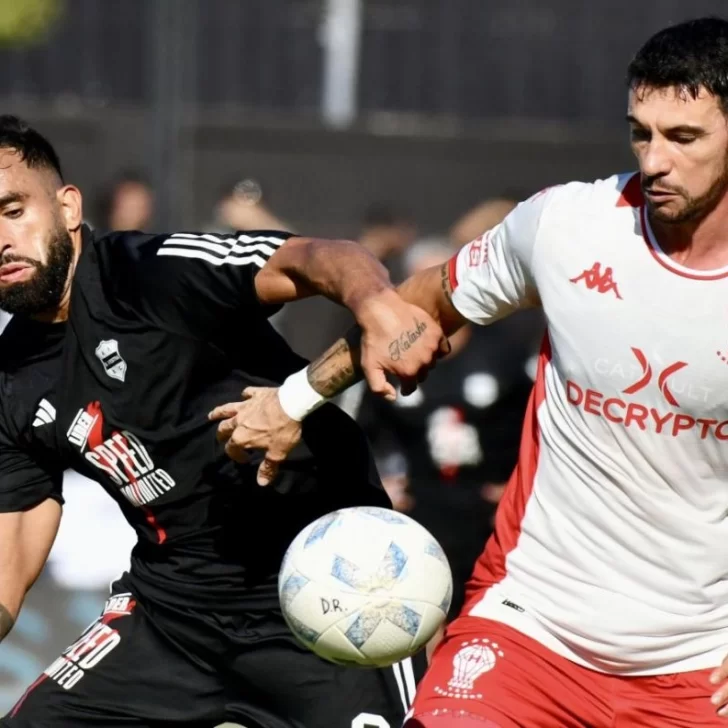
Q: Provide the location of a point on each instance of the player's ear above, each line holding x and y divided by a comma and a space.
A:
71, 202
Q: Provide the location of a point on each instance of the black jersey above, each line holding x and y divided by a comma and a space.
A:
162, 328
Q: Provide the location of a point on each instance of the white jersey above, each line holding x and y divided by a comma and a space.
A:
611, 542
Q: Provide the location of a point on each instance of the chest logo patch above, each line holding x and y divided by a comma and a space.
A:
108, 354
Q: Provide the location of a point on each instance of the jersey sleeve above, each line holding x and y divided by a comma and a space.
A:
492, 276
197, 282
24, 481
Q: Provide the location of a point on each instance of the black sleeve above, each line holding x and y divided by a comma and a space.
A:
24, 481
196, 283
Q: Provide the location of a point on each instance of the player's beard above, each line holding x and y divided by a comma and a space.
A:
693, 208
44, 290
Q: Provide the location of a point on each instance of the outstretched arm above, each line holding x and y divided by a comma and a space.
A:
489, 279
270, 419
341, 270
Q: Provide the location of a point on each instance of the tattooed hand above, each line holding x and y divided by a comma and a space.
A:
398, 339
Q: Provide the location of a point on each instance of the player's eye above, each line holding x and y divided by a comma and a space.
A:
13, 213
639, 135
685, 138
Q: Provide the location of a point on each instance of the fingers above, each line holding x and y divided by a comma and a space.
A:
224, 411
720, 696
249, 392
268, 470
225, 429
444, 347
235, 452
719, 674
377, 381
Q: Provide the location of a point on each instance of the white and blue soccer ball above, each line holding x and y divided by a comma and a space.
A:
365, 586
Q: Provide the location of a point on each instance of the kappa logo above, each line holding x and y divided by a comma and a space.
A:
473, 659
662, 378
45, 414
108, 354
595, 279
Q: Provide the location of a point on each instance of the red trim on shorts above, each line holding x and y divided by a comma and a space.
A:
20, 702
490, 567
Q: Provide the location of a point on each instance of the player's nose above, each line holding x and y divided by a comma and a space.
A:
654, 160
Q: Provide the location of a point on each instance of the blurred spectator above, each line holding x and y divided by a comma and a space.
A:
241, 207
387, 232
446, 450
126, 204
312, 325
480, 218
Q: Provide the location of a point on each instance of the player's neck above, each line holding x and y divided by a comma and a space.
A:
700, 244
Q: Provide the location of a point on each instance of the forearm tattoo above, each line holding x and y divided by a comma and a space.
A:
445, 282
339, 367
6, 622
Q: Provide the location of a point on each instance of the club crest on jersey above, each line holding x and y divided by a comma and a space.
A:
473, 659
108, 354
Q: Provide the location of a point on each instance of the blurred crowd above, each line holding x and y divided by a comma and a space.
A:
444, 452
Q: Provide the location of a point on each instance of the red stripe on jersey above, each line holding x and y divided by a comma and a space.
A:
452, 272
632, 193
490, 568
152, 521
20, 702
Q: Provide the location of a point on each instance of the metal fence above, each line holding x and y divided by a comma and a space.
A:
463, 59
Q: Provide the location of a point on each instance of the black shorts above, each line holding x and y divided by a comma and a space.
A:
140, 665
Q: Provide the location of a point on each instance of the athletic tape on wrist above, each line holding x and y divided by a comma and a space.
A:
297, 397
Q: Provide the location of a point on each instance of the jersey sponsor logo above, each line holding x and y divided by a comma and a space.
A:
597, 280
121, 457
126, 461
478, 251
81, 428
45, 414
662, 378
94, 645
119, 605
108, 354
513, 605
473, 659
648, 419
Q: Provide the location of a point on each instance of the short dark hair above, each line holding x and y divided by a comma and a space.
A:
688, 56
34, 149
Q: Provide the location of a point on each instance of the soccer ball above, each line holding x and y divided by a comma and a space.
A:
364, 586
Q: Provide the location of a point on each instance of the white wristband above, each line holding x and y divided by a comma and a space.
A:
297, 397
